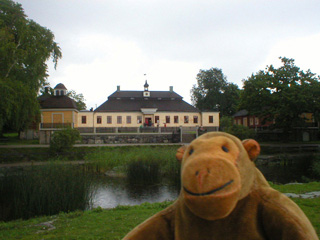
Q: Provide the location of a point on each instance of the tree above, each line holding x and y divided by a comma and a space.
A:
78, 98
282, 94
25, 47
214, 93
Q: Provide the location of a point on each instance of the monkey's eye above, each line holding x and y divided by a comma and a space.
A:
225, 149
191, 151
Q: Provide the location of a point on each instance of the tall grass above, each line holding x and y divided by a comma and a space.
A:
137, 162
44, 190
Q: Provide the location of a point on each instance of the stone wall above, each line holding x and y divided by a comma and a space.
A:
127, 138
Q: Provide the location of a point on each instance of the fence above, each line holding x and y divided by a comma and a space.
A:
129, 130
55, 125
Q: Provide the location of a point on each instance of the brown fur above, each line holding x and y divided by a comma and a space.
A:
224, 196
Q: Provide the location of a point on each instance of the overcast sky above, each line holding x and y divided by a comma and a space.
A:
106, 43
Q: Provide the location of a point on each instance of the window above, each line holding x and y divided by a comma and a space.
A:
195, 119
84, 119
251, 121
257, 121
99, 119
128, 119
109, 119
167, 119
210, 119
186, 119
119, 119
176, 119
245, 122
139, 119
157, 119
62, 92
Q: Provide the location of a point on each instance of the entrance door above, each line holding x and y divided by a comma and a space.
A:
148, 121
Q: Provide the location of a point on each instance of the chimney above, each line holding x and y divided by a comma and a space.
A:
118, 88
171, 88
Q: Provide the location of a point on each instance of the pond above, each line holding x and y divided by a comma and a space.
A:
113, 191
47, 190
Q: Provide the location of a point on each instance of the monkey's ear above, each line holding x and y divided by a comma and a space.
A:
180, 153
252, 148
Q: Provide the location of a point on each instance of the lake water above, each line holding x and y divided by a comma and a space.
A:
113, 191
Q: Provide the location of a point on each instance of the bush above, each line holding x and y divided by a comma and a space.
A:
63, 140
315, 167
225, 123
242, 132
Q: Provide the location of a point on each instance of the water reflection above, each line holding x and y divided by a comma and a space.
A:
111, 192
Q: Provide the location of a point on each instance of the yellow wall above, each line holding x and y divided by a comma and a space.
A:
91, 119
64, 116
205, 119
308, 117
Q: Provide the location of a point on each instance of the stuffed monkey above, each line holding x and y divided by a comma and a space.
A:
224, 196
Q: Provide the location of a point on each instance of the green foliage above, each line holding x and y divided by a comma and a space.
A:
214, 93
282, 94
240, 131
25, 47
78, 98
63, 140
226, 122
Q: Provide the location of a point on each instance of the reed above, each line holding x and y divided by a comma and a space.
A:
143, 163
44, 190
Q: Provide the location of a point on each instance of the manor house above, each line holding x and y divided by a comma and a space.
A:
146, 109
123, 111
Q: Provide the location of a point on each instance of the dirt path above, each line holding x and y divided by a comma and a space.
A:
26, 164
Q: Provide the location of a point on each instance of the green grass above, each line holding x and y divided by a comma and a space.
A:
95, 224
297, 188
115, 223
311, 207
13, 139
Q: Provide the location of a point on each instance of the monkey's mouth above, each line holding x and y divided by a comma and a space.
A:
210, 192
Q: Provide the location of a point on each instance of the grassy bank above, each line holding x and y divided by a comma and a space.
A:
115, 223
